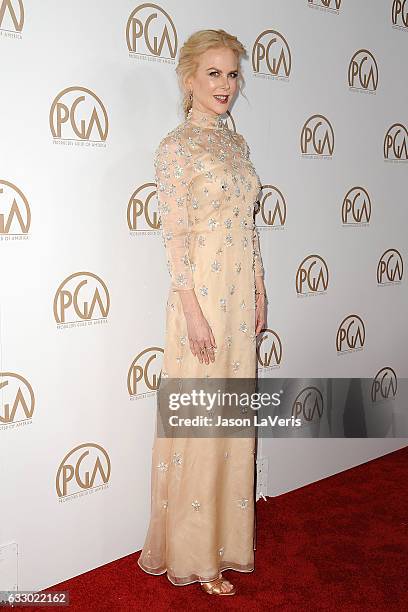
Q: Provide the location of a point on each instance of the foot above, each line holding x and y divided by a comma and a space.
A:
219, 586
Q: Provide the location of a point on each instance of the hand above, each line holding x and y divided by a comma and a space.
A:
201, 337
259, 313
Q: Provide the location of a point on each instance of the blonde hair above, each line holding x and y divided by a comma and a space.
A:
194, 46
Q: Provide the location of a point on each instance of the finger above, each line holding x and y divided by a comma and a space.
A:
197, 350
212, 339
209, 349
204, 352
257, 323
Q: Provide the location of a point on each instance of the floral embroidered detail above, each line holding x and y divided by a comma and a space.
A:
243, 327
196, 505
243, 503
198, 165
212, 223
181, 280
223, 304
215, 266
204, 120
178, 172
163, 467
235, 366
203, 290
177, 458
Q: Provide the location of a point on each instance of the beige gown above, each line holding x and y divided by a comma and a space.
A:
202, 489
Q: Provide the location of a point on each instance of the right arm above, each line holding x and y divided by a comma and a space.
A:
172, 175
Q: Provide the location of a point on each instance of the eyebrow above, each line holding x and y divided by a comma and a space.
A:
218, 70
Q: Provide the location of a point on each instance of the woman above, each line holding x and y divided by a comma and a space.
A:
202, 506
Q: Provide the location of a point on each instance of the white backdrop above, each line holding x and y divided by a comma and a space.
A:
88, 91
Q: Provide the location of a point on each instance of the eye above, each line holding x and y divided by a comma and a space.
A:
233, 74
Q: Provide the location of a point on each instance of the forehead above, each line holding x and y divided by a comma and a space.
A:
220, 57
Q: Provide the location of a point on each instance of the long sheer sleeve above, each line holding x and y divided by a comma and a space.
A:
258, 265
259, 270
172, 175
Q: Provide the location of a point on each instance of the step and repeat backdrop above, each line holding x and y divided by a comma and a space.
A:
88, 91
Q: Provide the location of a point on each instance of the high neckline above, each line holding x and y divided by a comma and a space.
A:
205, 120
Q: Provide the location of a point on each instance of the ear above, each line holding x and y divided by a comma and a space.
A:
187, 85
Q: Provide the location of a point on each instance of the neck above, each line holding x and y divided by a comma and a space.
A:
204, 119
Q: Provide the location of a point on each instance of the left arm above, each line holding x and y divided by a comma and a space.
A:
258, 270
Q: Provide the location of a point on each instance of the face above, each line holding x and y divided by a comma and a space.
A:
216, 75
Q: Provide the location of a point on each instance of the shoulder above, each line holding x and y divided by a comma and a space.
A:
242, 143
173, 143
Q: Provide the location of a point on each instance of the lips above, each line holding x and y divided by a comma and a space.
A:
222, 99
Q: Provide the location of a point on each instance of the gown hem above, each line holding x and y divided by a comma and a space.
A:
186, 581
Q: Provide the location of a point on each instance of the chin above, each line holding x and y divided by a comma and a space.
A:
221, 110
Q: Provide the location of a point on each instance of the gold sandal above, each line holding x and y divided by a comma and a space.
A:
214, 587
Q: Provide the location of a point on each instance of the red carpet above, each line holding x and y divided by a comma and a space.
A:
338, 544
